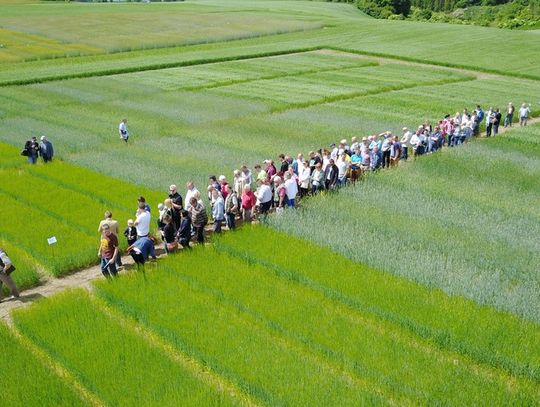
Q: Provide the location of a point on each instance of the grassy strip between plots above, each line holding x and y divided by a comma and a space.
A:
64, 201
262, 363
480, 332
389, 359
27, 381
116, 364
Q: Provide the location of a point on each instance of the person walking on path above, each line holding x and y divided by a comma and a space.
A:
509, 118
524, 112
123, 130
6, 268
46, 149
113, 226
108, 250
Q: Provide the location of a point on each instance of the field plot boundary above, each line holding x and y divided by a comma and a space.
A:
244, 56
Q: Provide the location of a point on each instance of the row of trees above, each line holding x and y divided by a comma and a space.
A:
499, 13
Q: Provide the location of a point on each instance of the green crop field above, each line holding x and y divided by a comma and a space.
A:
418, 286
276, 332
58, 200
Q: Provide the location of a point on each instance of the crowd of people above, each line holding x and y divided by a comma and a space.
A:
251, 194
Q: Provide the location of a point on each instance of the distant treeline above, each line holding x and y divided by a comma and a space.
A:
523, 14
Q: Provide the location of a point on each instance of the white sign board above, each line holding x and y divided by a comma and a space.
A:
52, 240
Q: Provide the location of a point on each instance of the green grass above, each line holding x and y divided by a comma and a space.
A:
234, 312
451, 322
60, 200
464, 221
28, 382
115, 363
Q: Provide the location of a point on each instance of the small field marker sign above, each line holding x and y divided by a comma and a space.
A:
52, 240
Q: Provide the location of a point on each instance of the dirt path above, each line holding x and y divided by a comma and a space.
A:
84, 278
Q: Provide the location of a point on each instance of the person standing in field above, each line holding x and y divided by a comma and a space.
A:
6, 268
405, 139
218, 210
46, 149
141, 250
184, 233
249, 200
199, 218
108, 250
496, 121
190, 193
176, 200
123, 130
509, 118
130, 232
113, 226
231, 209
524, 112
490, 118
31, 150
142, 222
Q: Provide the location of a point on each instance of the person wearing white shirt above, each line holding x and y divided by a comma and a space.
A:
304, 175
524, 111
342, 170
264, 195
6, 268
190, 193
291, 189
123, 131
142, 222
405, 140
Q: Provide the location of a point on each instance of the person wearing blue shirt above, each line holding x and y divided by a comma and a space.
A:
142, 249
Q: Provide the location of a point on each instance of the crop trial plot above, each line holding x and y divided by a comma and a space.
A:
462, 221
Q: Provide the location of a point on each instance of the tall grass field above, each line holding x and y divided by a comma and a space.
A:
417, 286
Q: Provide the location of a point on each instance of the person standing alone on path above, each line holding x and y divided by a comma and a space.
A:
524, 114
46, 149
123, 130
6, 268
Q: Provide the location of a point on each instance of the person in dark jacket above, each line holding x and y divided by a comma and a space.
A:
46, 149
184, 233
31, 150
331, 175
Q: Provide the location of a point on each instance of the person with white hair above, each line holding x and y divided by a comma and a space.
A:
46, 150
224, 186
190, 193
524, 112
291, 190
